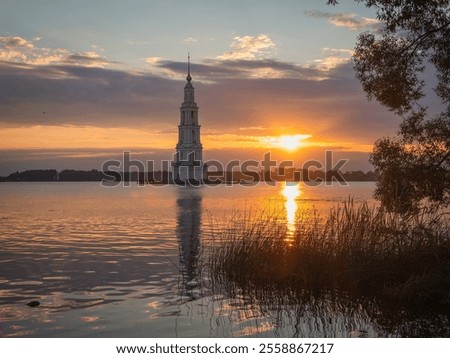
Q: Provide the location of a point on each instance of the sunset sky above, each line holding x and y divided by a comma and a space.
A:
83, 81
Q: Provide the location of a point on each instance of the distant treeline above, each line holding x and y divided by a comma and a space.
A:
82, 175
163, 176
292, 174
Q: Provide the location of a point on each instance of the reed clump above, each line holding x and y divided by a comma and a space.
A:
355, 250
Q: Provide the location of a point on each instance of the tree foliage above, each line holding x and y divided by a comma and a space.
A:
390, 64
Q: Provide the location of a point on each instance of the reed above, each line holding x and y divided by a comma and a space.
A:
355, 250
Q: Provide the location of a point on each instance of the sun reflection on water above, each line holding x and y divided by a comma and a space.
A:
291, 192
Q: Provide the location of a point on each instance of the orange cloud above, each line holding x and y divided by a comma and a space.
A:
44, 137
350, 21
18, 49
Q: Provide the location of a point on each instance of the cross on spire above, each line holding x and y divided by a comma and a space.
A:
189, 78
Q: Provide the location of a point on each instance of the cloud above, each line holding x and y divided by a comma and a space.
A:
138, 42
248, 60
15, 42
153, 60
215, 70
249, 48
350, 21
14, 48
87, 59
83, 136
190, 39
331, 58
255, 128
158, 66
231, 96
19, 50
84, 95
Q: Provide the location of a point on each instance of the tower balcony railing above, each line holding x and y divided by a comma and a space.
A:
186, 163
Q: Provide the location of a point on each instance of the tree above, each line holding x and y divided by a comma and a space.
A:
414, 166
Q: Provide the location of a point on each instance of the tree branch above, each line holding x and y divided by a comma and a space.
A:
443, 159
417, 41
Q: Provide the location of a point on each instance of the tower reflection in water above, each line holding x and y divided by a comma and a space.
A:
189, 213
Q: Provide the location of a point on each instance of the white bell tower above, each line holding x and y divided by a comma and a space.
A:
188, 162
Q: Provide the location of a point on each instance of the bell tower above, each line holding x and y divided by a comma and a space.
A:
188, 161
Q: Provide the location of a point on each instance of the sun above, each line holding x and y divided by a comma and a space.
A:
287, 142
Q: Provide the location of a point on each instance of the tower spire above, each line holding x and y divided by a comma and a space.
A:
189, 78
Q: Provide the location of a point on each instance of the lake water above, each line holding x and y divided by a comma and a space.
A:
113, 262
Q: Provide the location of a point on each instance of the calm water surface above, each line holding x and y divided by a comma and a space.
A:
117, 262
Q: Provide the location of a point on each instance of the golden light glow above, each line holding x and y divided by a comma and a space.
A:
74, 137
291, 192
83, 137
287, 142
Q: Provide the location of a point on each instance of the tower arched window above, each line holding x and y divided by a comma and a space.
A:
194, 137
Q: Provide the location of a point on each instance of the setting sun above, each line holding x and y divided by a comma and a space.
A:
288, 142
